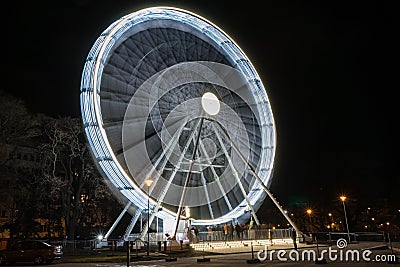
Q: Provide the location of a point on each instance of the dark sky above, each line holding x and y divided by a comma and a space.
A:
328, 66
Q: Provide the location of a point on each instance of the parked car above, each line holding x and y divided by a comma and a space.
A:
38, 252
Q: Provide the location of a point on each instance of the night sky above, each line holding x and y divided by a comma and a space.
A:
328, 66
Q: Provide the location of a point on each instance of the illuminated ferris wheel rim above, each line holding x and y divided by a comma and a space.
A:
91, 111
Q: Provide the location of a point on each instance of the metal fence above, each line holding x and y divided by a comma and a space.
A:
354, 237
252, 234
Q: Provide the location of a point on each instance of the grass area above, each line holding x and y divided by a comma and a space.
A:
84, 256
95, 259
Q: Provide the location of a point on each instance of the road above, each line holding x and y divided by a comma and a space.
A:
331, 254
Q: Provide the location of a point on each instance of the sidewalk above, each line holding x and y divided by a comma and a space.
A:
240, 256
241, 259
200, 249
395, 247
246, 246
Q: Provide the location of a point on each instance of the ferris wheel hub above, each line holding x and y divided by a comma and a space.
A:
210, 103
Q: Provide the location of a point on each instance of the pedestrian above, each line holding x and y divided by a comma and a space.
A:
230, 228
195, 232
245, 231
270, 236
209, 232
294, 237
238, 229
226, 231
252, 234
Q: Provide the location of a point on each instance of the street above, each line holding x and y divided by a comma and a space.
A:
240, 259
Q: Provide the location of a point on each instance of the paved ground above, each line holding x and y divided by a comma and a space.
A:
241, 259
334, 257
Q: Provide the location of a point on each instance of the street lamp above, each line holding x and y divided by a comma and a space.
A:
331, 220
309, 211
343, 199
148, 183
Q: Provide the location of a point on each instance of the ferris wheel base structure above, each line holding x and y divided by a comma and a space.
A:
178, 121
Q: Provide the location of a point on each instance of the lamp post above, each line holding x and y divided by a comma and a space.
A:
309, 211
148, 184
343, 199
332, 221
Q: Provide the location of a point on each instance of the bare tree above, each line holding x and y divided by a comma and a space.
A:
16, 125
68, 171
61, 184
17, 129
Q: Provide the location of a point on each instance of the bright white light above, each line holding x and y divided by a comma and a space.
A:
148, 182
187, 211
100, 237
210, 103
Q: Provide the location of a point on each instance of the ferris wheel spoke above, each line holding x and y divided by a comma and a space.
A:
235, 174
259, 180
188, 176
118, 123
243, 143
173, 122
154, 134
216, 177
203, 182
171, 178
163, 158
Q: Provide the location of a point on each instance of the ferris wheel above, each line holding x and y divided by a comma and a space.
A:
168, 97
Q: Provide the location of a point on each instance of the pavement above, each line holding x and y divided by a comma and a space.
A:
395, 246
369, 254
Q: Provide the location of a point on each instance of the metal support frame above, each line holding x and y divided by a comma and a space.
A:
164, 192
117, 220
134, 219
189, 174
203, 182
171, 144
235, 174
254, 173
190, 171
204, 151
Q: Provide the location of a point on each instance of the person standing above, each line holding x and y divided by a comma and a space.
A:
294, 237
252, 234
225, 231
209, 233
196, 233
238, 229
231, 230
245, 231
